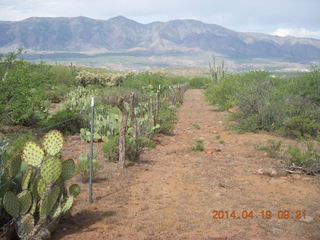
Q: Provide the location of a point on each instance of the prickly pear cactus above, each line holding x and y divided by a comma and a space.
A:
33, 154
26, 179
44, 198
51, 170
25, 199
11, 204
74, 190
41, 187
12, 166
68, 168
53, 142
67, 205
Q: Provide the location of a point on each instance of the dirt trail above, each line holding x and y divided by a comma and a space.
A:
171, 194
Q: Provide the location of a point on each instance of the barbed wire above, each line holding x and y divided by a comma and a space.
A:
4, 227
82, 114
12, 179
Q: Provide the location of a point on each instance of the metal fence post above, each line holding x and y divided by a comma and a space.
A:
91, 150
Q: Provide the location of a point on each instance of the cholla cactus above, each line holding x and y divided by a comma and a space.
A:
107, 79
86, 78
45, 199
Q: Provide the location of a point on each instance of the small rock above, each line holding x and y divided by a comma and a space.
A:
224, 185
317, 213
269, 171
218, 194
307, 179
197, 160
218, 150
272, 172
209, 151
277, 230
260, 171
64, 229
276, 180
307, 219
215, 132
296, 176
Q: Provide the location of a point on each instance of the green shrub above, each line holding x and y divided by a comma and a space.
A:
166, 119
63, 75
306, 85
66, 121
199, 82
198, 146
22, 99
224, 94
288, 105
83, 167
133, 150
307, 159
196, 126
111, 149
146, 142
28, 89
304, 121
272, 148
57, 93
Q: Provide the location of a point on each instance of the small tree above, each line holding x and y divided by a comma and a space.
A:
22, 88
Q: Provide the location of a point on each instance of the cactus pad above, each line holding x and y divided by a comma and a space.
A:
51, 170
68, 168
53, 142
11, 204
33, 208
26, 179
67, 205
53, 197
13, 166
25, 199
41, 186
33, 154
43, 207
56, 212
74, 190
48, 202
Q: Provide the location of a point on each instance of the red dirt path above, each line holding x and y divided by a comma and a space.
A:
172, 192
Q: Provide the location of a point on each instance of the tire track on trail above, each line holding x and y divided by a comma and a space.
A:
171, 194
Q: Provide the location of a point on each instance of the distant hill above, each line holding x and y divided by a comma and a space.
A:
122, 35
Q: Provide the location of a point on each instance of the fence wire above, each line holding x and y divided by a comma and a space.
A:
171, 95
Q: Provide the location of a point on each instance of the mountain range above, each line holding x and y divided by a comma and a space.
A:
122, 35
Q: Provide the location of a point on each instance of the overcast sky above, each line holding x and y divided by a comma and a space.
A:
281, 17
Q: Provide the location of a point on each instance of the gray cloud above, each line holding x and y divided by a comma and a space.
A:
245, 15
